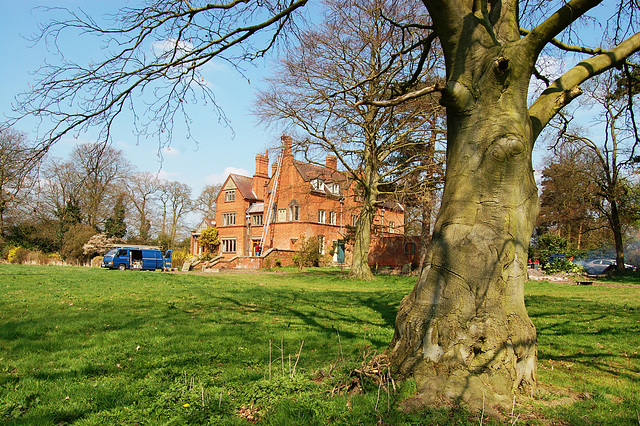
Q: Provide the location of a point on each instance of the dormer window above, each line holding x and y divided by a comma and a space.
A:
317, 184
334, 188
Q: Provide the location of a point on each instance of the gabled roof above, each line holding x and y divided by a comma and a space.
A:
206, 223
245, 186
313, 171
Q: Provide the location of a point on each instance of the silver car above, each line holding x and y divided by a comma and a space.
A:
598, 266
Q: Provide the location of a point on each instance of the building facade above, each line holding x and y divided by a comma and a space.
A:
299, 201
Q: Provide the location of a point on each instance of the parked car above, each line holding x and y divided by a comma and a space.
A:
599, 266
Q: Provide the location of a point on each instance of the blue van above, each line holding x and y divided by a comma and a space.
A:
136, 258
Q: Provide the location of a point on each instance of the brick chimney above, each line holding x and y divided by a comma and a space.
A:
261, 177
286, 142
332, 162
262, 165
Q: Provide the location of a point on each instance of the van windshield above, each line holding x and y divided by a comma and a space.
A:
111, 252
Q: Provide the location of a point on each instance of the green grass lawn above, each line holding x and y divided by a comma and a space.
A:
89, 346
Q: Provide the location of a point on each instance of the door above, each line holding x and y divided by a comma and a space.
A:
340, 251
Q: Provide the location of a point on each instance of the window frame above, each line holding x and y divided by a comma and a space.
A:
322, 218
227, 219
227, 243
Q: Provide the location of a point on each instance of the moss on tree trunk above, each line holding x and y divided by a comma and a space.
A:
464, 333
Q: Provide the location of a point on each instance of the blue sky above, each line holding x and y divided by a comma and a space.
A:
216, 150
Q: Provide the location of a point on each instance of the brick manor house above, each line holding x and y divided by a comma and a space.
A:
266, 216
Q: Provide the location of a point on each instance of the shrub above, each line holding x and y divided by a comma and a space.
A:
209, 239
178, 258
309, 253
18, 255
36, 257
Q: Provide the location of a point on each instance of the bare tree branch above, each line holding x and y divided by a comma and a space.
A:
71, 98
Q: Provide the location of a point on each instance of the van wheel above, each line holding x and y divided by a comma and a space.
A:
122, 267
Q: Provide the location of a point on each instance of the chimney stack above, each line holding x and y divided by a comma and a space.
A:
261, 177
286, 142
332, 162
262, 165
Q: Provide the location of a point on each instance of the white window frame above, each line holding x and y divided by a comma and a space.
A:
317, 184
321, 244
322, 216
229, 196
333, 218
392, 227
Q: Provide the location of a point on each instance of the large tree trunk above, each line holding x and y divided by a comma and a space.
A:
464, 333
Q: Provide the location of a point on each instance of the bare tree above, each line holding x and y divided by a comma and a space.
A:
610, 157
17, 174
206, 201
101, 171
185, 35
175, 200
360, 51
141, 191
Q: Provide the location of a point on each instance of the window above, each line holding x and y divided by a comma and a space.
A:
321, 244
334, 188
392, 227
228, 246
410, 248
295, 213
354, 219
229, 196
321, 216
317, 184
229, 219
256, 220
282, 215
333, 218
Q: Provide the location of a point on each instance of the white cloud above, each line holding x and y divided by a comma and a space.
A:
221, 177
164, 175
169, 151
165, 47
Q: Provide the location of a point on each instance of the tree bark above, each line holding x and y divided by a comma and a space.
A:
464, 332
360, 263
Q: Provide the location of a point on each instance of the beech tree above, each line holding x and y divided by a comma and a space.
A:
464, 332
